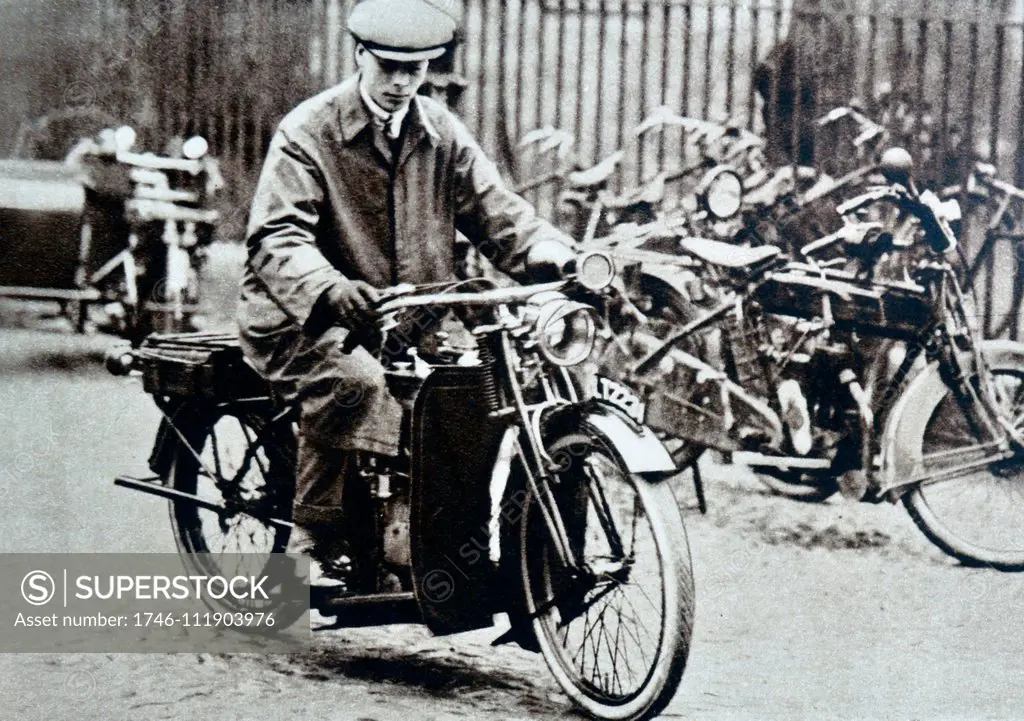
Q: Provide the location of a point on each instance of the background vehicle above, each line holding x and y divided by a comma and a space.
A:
1000, 207
787, 394
112, 228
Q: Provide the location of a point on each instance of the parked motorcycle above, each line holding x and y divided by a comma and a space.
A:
708, 189
513, 492
788, 393
109, 227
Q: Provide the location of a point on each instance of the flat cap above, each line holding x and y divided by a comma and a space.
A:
405, 30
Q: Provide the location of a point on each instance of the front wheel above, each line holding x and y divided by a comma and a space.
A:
972, 509
615, 630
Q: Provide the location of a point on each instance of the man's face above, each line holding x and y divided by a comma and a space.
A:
391, 83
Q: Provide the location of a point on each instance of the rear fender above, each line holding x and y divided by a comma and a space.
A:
907, 421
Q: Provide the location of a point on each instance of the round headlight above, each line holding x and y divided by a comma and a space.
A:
195, 147
595, 271
723, 195
124, 138
565, 331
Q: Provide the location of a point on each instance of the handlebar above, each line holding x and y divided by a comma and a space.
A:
853, 234
409, 298
985, 174
924, 206
869, 128
406, 297
872, 196
157, 162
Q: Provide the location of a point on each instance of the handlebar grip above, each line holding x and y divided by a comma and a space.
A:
362, 336
119, 361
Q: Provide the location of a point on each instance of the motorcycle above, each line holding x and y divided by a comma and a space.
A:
796, 393
110, 227
555, 508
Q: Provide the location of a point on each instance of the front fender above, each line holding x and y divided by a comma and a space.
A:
669, 284
905, 426
637, 446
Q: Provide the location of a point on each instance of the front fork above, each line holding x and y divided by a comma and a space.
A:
541, 469
178, 267
982, 406
538, 466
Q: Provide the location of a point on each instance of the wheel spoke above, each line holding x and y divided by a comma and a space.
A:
604, 513
971, 499
625, 656
215, 446
238, 471
607, 650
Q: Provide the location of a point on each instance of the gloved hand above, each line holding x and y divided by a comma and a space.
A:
351, 303
550, 260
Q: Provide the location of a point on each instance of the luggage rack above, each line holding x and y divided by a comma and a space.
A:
205, 365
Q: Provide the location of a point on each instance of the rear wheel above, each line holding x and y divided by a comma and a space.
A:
236, 461
615, 634
972, 510
799, 486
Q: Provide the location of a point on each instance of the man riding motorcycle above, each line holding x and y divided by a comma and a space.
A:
364, 187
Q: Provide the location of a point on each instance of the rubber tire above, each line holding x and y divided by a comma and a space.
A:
939, 534
797, 491
670, 536
186, 522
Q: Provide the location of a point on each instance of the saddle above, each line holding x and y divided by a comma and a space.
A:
726, 255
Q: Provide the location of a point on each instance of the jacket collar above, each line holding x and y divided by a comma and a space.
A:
355, 116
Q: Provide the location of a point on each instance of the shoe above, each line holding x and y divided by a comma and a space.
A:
321, 577
305, 545
854, 484
796, 416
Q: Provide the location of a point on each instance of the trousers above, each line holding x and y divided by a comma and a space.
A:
344, 406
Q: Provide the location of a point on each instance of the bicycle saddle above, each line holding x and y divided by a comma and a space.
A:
596, 175
725, 255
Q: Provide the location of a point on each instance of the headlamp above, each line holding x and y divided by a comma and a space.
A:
565, 331
195, 147
124, 138
722, 193
595, 270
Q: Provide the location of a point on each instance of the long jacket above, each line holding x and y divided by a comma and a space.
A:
332, 203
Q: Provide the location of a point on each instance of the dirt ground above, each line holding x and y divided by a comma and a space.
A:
828, 611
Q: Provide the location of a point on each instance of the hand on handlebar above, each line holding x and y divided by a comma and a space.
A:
550, 259
353, 304
370, 329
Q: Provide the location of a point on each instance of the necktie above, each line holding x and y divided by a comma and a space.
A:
392, 126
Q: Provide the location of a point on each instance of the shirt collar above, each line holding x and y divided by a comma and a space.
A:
356, 114
377, 110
